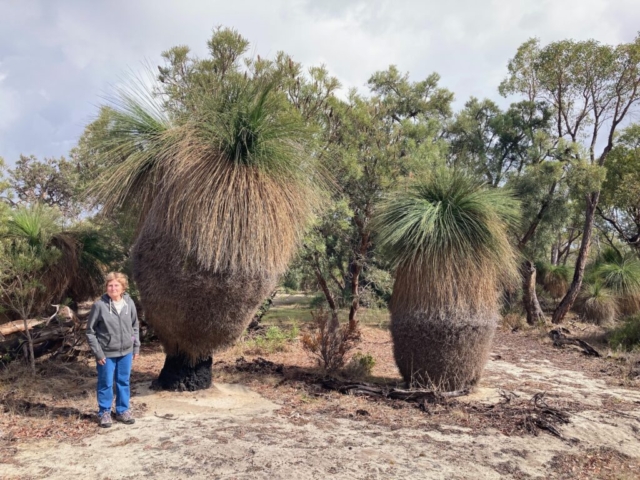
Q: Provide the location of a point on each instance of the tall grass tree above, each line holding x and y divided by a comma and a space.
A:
223, 188
446, 236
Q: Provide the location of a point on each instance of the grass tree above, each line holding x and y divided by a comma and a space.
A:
42, 263
447, 238
622, 277
223, 189
597, 304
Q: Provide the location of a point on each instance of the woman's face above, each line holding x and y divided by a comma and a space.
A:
114, 290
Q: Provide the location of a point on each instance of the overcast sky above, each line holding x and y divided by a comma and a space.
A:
59, 57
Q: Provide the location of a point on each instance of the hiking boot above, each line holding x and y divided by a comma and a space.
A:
126, 417
104, 420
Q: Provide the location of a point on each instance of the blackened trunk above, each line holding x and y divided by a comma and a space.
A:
529, 296
568, 300
179, 374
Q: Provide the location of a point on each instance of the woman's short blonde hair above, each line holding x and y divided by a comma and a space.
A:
120, 277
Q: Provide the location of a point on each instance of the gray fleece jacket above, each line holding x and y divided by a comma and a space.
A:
111, 334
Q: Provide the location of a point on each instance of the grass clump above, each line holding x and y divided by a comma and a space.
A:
273, 340
360, 366
627, 335
555, 279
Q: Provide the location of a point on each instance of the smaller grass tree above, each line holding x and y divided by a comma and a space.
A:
447, 239
555, 279
622, 276
597, 304
41, 263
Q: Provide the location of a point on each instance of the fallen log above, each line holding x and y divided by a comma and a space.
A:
560, 339
17, 326
55, 334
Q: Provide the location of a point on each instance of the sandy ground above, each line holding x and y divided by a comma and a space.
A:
233, 432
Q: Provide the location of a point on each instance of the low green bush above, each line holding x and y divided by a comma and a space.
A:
360, 366
627, 335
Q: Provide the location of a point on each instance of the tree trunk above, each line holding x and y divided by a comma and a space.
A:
355, 279
555, 250
529, 296
327, 293
180, 374
567, 302
32, 360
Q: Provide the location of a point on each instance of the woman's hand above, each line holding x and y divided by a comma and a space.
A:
135, 356
102, 361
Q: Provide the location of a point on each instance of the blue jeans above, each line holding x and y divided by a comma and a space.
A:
120, 368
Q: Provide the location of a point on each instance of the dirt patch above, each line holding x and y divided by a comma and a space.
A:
267, 422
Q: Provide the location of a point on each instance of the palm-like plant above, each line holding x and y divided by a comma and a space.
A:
223, 190
597, 303
447, 238
67, 263
554, 279
622, 277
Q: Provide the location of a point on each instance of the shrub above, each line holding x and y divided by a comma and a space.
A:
627, 335
360, 366
622, 277
329, 342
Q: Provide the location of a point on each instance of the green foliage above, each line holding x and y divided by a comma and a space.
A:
621, 189
626, 336
43, 263
621, 276
53, 181
450, 216
274, 340
446, 236
360, 366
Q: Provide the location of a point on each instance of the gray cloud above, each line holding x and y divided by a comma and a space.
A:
57, 57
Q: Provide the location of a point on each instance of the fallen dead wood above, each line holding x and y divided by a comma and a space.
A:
530, 416
260, 365
65, 335
511, 416
372, 390
16, 326
560, 339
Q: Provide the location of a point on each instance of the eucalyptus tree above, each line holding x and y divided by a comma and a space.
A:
390, 134
619, 210
591, 89
447, 239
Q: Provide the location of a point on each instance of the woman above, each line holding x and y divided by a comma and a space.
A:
113, 335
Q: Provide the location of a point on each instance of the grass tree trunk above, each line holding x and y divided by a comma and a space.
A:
443, 351
574, 289
192, 311
529, 296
